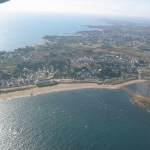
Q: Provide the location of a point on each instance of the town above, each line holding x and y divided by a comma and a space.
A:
111, 54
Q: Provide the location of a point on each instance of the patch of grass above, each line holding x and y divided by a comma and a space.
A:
47, 84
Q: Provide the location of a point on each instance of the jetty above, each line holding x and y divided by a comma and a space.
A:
137, 99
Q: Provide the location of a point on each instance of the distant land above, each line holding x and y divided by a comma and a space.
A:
106, 55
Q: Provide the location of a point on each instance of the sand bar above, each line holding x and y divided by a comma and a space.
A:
15, 92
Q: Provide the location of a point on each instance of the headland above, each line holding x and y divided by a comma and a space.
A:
110, 57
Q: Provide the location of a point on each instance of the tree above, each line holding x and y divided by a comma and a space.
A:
16, 73
5, 76
46, 74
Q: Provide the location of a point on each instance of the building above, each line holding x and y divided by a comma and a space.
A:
41, 81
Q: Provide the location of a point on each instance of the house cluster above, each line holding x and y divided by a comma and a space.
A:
14, 82
117, 35
116, 62
109, 36
28, 57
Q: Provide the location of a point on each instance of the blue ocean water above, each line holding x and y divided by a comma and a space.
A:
22, 29
87, 119
18, 29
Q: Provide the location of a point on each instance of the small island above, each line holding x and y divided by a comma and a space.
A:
110, 56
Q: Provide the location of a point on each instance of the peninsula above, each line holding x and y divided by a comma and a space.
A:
110, 56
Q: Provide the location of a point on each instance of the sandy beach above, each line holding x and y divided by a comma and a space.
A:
33, 90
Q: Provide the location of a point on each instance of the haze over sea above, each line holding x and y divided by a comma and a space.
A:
22, 29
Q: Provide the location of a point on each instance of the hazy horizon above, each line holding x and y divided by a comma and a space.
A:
132, 8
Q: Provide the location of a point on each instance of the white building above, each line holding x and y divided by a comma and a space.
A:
41, 81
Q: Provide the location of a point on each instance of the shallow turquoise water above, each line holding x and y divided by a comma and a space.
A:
90, 119
140, 88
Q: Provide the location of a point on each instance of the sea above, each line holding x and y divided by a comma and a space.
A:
19, 29
26, 29
87, 119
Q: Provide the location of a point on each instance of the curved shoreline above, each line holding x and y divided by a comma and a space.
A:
33, 90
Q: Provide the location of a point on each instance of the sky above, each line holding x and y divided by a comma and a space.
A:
100, 7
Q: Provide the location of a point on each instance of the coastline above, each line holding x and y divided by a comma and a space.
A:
137, 99
33, 90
